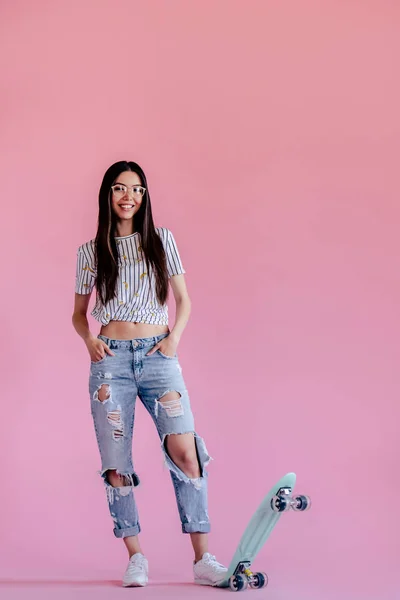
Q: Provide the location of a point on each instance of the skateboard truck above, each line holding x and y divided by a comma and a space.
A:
283, 501
243, 576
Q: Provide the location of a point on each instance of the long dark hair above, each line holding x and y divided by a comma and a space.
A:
106, 247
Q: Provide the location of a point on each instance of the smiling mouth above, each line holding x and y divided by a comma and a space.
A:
126, 206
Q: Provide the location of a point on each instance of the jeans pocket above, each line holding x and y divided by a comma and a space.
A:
167, 357
98, 362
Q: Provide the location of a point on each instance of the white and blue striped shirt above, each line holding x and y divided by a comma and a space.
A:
136, 298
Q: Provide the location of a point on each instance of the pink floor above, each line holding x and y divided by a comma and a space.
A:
107, 589
293, 587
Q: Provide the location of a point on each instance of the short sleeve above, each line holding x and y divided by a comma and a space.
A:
85, 270
174, 263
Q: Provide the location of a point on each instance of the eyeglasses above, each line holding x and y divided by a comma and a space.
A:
119, 190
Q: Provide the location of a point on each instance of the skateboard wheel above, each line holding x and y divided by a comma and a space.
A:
301, 503
280, 503
259, 580
238, 583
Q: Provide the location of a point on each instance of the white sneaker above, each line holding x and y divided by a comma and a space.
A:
137, 571
208, 571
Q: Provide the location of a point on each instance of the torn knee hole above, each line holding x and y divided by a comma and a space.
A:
183, 452
186, 465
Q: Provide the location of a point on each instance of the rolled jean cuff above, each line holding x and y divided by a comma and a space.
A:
123, 533
204, 527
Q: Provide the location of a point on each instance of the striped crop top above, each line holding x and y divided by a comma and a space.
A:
136, 298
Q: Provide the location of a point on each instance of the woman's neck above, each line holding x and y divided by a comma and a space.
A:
124, 228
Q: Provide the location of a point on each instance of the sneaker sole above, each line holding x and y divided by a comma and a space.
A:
207, 582
134, 584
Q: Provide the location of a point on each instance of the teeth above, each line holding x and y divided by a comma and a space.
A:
126, 205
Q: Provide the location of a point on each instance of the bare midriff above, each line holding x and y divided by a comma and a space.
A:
127, 330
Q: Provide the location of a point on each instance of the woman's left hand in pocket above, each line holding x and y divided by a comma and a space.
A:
167, 346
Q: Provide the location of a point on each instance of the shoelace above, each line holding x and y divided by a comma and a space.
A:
212, 561
136, 563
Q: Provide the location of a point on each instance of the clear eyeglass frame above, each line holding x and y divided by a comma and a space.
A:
119, 190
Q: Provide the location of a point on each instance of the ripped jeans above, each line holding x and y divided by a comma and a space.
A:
123, 377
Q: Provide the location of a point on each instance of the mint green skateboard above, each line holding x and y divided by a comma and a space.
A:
278, 500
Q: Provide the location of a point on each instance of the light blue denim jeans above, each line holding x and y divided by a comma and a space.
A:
128, 375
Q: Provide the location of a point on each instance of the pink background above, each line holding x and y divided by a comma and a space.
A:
269, 132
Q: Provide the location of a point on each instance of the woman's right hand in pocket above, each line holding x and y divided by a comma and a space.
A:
98, 349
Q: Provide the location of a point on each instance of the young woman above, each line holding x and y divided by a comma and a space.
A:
132, 263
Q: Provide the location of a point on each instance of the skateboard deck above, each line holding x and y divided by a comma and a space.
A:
278, 500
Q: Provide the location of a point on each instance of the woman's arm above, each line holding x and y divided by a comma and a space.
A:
169, 344
96, 348
79, 318
183, 306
